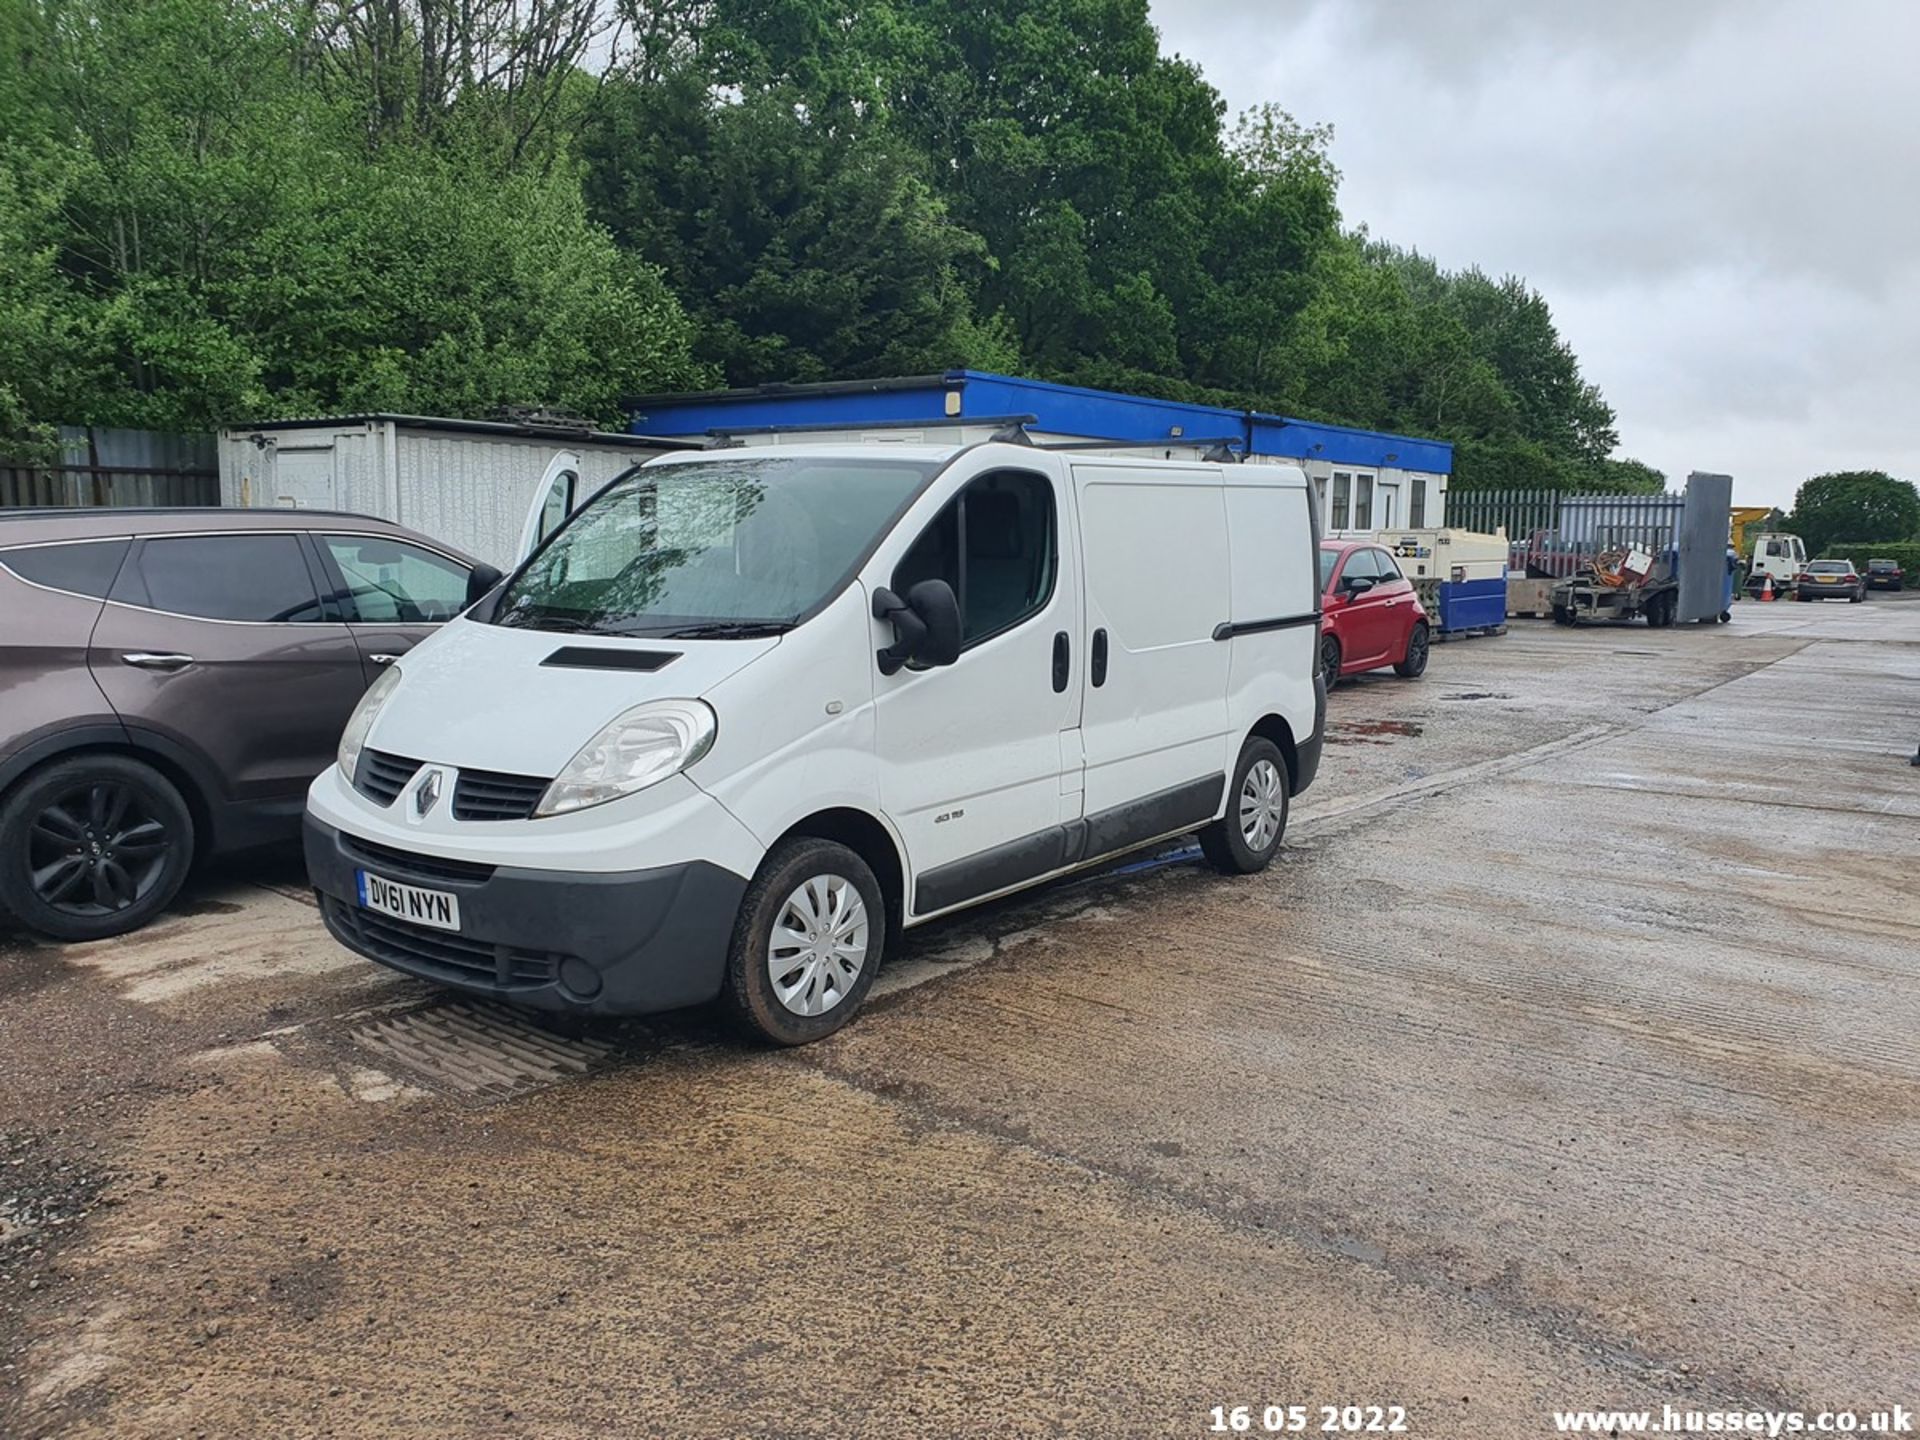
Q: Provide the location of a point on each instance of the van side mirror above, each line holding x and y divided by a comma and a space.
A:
480, 580
926, 625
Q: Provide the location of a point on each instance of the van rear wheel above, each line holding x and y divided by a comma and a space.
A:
809, 937
1242, 841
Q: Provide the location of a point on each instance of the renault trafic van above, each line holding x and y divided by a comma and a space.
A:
751, 712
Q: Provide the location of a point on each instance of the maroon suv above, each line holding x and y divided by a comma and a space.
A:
172, 680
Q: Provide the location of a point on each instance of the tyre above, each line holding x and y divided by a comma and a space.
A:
1243, 841
1330, 660
1415, 664
1726, 617
1562, 615
811, 931
1856, 597
92, 847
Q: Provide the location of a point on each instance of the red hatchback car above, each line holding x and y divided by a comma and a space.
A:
1369, 614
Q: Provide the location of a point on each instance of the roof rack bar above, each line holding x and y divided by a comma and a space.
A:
1164, 442
818, 426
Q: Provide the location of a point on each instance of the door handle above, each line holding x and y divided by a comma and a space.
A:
1099, 658
383, 659
1060, 669
148, 660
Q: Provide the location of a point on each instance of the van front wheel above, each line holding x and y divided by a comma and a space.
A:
1242, 841
811, 931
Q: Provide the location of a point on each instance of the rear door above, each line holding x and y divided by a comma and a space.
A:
553, 501
1154, 725
219, 643
392, 593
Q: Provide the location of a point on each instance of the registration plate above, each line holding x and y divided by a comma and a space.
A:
409, 902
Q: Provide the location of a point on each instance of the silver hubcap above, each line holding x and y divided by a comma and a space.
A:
1262, 802
819, 945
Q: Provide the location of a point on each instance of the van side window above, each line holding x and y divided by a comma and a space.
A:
558, 504
996, 545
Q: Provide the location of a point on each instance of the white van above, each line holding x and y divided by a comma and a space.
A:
752, 712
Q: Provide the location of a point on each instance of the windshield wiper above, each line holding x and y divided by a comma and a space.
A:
729, 630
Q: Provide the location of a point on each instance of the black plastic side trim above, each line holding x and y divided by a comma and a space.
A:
583, 657
1059, 847
990, 870
1164, 813
1227, 629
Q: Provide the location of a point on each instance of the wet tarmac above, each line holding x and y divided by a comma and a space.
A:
1566, 1059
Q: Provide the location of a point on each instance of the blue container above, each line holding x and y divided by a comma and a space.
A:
1471, 604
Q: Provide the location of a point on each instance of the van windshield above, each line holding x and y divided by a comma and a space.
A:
721, 548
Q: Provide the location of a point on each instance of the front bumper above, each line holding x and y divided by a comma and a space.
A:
623, 943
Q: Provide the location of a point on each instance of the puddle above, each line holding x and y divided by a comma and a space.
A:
1371, 732
1479, 695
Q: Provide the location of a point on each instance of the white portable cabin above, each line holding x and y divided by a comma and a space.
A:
472, 484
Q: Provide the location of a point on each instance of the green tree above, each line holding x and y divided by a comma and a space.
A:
806, 244
1855, 505
211, 238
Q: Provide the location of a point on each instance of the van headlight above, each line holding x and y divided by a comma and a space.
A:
359, 724
640, 748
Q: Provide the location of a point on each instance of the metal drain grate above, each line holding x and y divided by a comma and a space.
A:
480, 1051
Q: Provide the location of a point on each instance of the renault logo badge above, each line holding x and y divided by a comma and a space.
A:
427, 794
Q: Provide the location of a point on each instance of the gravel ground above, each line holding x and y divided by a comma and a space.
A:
1565, 1059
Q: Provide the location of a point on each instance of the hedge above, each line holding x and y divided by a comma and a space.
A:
1904, 553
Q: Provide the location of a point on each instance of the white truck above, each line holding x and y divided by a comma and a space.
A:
1780, 556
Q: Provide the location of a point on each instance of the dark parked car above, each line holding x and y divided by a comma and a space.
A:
1831, 580
1885, 575
174, 679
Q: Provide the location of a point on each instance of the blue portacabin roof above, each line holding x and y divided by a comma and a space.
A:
979, 397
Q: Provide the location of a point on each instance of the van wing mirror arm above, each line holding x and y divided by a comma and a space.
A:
909, 630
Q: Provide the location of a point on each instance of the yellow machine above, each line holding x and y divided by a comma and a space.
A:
1744, 518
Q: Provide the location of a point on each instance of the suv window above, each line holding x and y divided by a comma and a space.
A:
995, 545
390, 582
85, 567
221, 577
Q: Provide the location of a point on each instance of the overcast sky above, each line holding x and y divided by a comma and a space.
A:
1720, 199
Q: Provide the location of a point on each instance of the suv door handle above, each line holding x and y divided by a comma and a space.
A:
1060, 668
1099, 658
147, 660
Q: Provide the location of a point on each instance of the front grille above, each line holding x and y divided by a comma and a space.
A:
441, 953
380, 777
485, 795
425, 867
